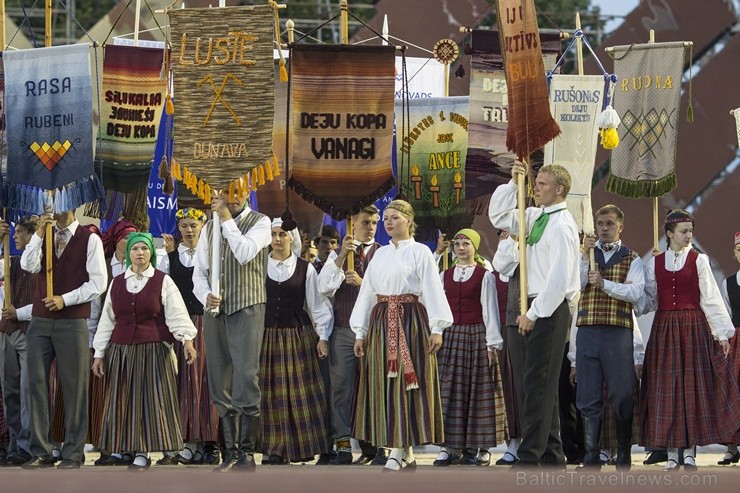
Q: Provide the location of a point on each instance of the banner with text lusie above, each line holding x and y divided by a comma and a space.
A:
223, 68
48, 101
342, 107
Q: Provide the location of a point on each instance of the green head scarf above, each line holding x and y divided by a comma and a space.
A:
474, 238
145, 238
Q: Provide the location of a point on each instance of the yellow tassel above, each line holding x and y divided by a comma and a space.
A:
268, 171
261, 175
169, 107
239, 186
178, 169
207, 198
609, 138
245, 179
283, 71
231, 193
201, 189
255, 181
186, 176
275, 166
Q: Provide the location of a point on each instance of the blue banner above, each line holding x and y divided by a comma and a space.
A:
161, 207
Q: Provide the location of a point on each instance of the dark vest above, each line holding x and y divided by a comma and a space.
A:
598, 308
70, 272
183, 277
678, 290
22, 287
346, 296
512, 299
285, 300
464, 297
733, 292
502, 290
140, 316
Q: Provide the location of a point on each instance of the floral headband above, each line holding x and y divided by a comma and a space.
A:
190, 213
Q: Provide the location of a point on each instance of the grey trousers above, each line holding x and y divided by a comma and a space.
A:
536, 361
342, 372
14, 374
67, 341
233, 345
605, 355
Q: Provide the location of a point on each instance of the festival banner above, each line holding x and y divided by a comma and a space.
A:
489, 162
161, 207
342, 102
432, 178
48, 101
531, 125
648, 99
426, 77
224, 83
134, 91
576, 102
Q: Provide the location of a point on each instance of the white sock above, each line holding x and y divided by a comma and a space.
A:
688, 456
672, 456
605, 455
513, 446
394, 459
187, 452
140, 459
409, 455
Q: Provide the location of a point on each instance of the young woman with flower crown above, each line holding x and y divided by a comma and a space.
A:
198, 415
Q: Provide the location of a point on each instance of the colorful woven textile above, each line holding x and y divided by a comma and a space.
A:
648, 99
432, 177
488, 164
48, 93
223, 81
131, 108
531, 125
576, 102
342, 102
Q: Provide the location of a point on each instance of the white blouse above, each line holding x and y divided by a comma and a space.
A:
406, 268
726, 295
710, 298
185, 254
488, 301
318, 306
175, 312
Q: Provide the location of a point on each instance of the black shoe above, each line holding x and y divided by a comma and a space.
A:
105, 460
274, 460
574, 460
363, 459
469, 458
168, 460
39, 463
484, 458
381, 457
136, 468
508, 459
69, 464
656, 456
16, 460
211, 456
342, 459
325, 458
450, 460
726, 461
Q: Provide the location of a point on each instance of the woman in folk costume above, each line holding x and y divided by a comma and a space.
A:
469, 374
198, 415
689, 394
143, 315
400, 314
294, 411
731, 295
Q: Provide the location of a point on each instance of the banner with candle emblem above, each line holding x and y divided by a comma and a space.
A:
431, 164
342, 107
576, 102
648, 99
488, 164
223, 71
48, 102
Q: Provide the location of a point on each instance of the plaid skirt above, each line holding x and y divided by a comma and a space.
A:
473, 407
293, 405
735, 362
689, 395
507, 381
198, 415
141, 408
608, 426
385, 413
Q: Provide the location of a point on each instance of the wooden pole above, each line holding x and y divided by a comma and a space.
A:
290, 28
48, 41
2, 28
48, 6
344, 12
521, 199
6, 261
137, 22
655, 199
351, 254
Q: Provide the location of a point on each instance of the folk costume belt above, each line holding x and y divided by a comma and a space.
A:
397, 338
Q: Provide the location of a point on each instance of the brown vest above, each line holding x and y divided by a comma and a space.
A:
140, 316
22, 287
464, 297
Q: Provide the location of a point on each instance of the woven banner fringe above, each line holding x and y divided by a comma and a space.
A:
331, 209
640, 189
67, 198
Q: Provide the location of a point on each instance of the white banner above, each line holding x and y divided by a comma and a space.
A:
575, 103
426, 77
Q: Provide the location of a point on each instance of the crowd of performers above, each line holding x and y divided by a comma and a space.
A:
306, 345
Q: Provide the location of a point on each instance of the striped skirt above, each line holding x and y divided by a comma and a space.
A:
141, 408
608, 426
472, 394
689, 395
293, 405
198, 415
385, 413
735, 362
96, 404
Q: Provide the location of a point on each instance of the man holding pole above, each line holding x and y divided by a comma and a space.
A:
58, 329
232, 291
552, 278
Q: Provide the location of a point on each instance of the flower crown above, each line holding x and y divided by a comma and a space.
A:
190, 213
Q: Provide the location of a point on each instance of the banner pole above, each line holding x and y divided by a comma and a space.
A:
521, 198
344, 11
655, 199
48, 41
6, 261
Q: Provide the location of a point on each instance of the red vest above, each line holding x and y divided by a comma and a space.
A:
23, 285
464, 297
139, 317
678, 290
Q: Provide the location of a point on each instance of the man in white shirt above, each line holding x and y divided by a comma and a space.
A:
552, 282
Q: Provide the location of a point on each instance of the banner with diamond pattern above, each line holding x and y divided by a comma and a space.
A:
48, 100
